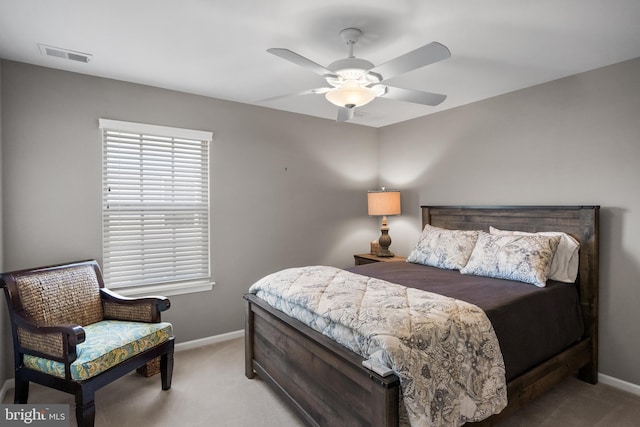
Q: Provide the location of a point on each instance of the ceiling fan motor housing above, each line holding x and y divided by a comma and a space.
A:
354, 69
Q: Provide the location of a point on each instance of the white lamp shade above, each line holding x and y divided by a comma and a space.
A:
350, 94
384, 202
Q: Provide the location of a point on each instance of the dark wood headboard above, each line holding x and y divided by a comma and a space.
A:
582, 222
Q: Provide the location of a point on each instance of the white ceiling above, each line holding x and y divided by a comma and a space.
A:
217, 48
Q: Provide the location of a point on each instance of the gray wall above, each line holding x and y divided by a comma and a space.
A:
5, 343
286, 189
570, 141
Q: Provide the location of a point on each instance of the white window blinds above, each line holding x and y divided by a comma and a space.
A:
155, 208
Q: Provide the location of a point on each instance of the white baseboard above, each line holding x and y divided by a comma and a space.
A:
604, 379
188, 345
619, 384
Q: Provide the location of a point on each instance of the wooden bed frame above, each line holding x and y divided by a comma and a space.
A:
326, 383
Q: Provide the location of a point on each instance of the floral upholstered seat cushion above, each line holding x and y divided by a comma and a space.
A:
107, 343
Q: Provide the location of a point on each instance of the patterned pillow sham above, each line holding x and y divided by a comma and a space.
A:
442, 248
522, 258
564, 266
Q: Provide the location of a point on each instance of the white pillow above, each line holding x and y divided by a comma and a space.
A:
442, 248
564, 266
507, 256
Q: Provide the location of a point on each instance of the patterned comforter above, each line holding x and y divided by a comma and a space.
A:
443, 350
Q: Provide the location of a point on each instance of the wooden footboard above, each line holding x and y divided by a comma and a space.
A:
327, 385
324, 382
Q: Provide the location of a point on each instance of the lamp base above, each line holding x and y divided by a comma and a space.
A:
385, 253
384, 240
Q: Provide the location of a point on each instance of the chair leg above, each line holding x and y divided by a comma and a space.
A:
21, 391
85, 407
166, 370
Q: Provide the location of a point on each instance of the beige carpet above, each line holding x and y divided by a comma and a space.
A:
210, 389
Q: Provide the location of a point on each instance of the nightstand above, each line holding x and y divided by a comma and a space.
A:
370, 258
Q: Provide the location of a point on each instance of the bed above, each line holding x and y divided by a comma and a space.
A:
326, 382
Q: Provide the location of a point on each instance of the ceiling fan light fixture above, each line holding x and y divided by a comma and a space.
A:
350, 93
354, 82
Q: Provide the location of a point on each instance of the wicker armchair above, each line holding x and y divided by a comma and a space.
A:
72, 334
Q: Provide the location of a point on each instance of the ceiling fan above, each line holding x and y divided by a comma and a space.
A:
354, 82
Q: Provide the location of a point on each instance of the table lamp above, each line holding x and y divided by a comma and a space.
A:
382, 203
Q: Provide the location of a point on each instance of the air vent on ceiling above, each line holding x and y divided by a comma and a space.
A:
64, 53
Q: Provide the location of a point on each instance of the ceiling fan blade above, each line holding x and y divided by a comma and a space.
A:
425, 55
346, 113
319, 90
302, 61
415, 96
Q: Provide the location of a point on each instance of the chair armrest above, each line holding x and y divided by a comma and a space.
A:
56, 342
144, 309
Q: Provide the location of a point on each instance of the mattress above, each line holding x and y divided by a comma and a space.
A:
531, 323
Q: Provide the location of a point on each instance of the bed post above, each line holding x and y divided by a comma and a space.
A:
589, 268
248, 340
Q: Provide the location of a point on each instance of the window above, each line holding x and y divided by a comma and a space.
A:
155, 208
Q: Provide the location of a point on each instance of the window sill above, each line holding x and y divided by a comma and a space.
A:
166, 290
